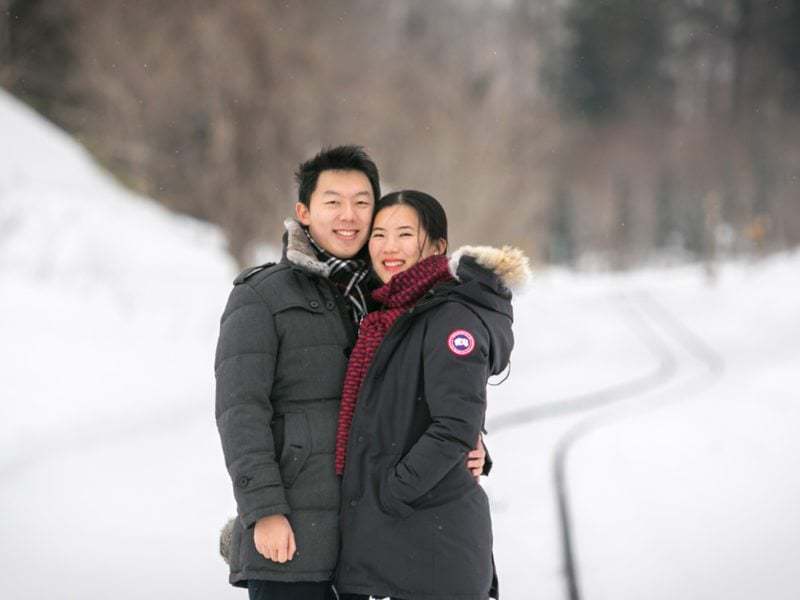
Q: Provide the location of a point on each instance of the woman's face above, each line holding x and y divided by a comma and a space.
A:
397, 241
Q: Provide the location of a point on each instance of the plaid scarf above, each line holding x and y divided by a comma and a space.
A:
397, 296
348, 274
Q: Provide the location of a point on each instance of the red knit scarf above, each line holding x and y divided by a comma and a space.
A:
397, 296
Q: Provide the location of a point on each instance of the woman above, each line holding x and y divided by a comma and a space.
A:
415, 523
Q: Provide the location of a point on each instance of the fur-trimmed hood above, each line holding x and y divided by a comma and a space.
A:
487, 276
298, 250
509, 264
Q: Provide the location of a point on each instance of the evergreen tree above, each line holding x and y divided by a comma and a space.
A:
787, 42
665, 212
623, 226
562, 224
694, 228
35, 57
617, 52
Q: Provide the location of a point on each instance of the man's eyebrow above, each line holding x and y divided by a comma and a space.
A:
335, 193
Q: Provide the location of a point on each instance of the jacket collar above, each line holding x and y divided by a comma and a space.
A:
299, 251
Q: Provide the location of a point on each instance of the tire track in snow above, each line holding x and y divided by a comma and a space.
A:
664, 370
668, 326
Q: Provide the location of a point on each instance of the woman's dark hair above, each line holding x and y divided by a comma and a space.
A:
340, 158
432, 218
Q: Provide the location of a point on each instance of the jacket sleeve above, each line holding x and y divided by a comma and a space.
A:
456, 350
244, 369
487, 465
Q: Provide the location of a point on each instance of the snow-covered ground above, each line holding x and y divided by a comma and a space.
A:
682, 481
686, 484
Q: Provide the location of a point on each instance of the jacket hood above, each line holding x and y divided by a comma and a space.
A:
485, 278
508, 264
298, 250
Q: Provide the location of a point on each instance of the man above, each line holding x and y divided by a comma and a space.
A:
285, 338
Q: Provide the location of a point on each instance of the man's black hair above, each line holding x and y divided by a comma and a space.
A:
340, 158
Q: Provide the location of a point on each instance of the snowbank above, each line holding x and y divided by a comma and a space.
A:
109, 302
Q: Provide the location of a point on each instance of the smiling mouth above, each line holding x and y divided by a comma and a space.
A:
346, 234
391, 265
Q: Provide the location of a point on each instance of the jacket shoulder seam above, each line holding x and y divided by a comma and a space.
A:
260, 272
266, 274
228, 315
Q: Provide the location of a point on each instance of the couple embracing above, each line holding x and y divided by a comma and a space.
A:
351, 394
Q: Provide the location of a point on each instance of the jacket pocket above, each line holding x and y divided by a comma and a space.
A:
296, 446
390, 504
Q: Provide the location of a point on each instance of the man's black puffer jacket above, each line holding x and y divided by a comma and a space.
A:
284, 341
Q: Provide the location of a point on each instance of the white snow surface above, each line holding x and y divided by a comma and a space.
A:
684, 485
687, 488
112, 480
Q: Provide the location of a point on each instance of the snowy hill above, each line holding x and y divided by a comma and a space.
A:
672, 403
93, 277
109, 309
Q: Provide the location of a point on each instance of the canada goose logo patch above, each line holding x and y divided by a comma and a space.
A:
461, 342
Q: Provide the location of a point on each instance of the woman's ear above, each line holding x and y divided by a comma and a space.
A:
440, 247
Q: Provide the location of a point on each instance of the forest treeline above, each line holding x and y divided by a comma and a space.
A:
592, 132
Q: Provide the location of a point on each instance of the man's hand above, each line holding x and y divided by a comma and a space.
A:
274, 538
476, 459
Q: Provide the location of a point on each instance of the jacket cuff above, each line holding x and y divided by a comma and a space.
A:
259, 491
249, 520
487, 465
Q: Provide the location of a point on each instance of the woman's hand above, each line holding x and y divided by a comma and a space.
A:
476, 459
274, 538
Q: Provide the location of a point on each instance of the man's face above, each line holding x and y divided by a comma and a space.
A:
339, 212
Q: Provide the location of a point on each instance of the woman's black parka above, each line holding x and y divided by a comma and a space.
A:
414, 522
